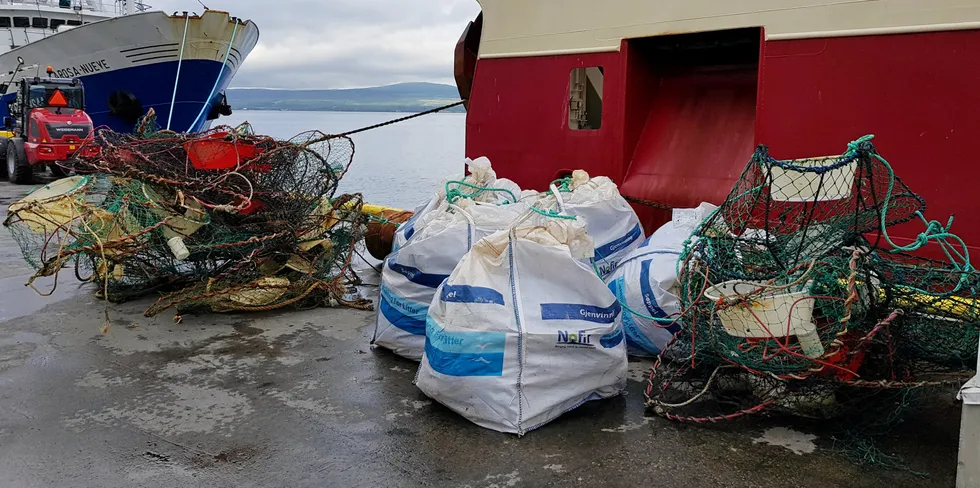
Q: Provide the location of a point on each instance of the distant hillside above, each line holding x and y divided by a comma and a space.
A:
402, 97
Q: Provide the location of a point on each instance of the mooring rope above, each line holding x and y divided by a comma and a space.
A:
427, 112
180, 60
216, 80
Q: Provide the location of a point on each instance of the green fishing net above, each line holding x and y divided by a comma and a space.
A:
796, 299
223, 220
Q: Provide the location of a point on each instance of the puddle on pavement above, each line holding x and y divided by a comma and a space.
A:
19, 300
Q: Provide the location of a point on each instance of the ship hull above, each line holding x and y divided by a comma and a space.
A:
133, 63
677, 133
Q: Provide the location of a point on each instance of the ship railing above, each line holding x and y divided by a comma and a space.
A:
10, 75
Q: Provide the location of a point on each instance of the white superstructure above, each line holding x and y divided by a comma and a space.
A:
25, 21
520, 28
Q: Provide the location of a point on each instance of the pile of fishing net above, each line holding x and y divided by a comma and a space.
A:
222, 220
794, 298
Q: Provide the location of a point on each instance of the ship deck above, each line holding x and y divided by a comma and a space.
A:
300, 399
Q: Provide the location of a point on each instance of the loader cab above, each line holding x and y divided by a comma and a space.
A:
52, 96
47, 127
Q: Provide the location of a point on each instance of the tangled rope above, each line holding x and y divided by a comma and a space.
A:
223, 220
795, 299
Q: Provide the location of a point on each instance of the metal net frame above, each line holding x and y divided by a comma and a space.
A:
797, 300
222, 220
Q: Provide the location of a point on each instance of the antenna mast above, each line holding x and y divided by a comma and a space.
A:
133, 6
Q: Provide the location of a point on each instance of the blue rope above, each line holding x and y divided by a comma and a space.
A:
180, 60
218, 79
840, 162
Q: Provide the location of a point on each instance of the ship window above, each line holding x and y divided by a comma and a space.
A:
22, 22
5, 22
55, 23
39, 22
585, 98
74, 22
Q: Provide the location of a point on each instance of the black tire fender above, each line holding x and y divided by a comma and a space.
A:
125, 105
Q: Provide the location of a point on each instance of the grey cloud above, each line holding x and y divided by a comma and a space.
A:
345, 43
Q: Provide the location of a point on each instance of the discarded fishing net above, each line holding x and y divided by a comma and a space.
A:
222, 220
795, 299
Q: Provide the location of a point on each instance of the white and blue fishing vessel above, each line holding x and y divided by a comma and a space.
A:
129, 57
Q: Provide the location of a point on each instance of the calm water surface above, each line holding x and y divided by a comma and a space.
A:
399, 165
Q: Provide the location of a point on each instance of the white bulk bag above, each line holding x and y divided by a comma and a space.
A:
481, 175
406, 230
646, 282
610, 220
522, 331
411, 274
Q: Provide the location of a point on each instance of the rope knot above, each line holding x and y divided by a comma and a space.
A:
854, 147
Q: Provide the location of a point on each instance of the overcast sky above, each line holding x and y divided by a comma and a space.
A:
345, 43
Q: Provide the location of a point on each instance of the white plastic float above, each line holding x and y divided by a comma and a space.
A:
768, 314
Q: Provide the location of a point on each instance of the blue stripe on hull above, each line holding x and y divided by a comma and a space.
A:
153, 85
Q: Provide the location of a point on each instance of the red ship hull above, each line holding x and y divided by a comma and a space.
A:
679, 133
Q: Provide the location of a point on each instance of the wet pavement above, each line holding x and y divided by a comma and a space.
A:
300, 399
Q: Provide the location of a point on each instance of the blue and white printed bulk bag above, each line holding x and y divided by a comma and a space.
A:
481, 175
646, 282
522, 331
411, 274
610, 219
407, 230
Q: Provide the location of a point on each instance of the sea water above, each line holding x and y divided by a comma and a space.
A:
399, 165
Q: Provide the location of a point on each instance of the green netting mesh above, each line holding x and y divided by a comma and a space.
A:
796, 299
223, 220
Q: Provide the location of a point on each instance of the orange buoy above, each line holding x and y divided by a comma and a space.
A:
380, 236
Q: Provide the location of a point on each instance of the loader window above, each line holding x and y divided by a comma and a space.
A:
41, 96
